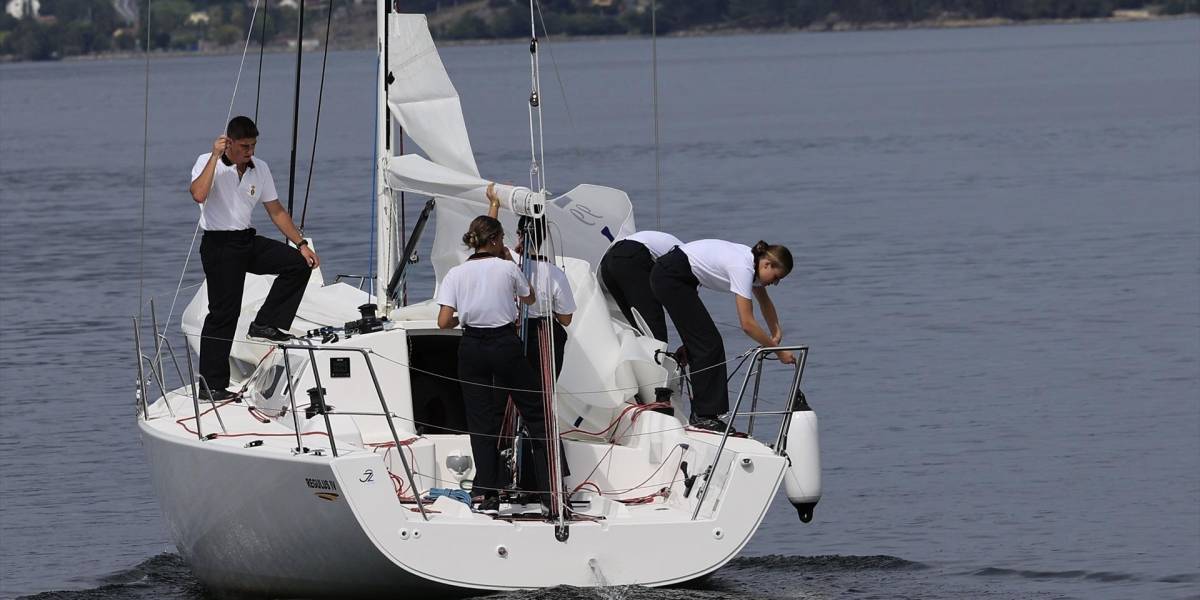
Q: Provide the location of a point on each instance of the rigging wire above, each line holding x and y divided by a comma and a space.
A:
228, 114
374, 186
558, 76
145, 174
261, 50
654, 96
312, 160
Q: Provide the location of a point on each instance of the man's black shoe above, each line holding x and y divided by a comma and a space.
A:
218, 395
714, 424
490, 505
266, 332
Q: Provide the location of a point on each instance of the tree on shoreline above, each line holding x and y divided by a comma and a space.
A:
74, 27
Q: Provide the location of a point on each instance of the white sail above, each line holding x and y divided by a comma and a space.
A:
583, 222
422, 98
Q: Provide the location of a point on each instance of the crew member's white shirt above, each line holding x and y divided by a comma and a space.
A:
657, 242
722, 266
484, 291
231, 200
553, 291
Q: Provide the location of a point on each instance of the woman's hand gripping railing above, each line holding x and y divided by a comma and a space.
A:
756, 371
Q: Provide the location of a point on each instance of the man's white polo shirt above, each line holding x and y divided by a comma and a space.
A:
231, 201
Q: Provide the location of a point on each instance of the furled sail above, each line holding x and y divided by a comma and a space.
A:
422, 97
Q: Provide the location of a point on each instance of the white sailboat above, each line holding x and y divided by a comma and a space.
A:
335, 472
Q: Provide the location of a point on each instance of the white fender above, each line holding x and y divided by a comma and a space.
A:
802, 480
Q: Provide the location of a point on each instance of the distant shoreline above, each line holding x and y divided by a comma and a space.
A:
835, 27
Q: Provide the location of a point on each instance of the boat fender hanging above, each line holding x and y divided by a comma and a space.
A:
802, 479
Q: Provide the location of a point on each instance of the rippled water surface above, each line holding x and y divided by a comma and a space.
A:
998, 244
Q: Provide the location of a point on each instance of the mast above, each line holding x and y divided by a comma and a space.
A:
296, 108
384, 257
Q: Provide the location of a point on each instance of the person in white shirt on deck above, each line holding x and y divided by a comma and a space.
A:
555, 303
482, 292
725, 267
227, 183
625, 271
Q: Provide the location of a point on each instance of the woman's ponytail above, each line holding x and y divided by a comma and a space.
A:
482, 229
776, 253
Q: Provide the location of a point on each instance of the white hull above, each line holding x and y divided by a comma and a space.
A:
253, 520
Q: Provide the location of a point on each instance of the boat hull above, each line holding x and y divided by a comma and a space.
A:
298, 525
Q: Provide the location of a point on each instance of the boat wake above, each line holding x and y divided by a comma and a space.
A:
822, 563
168, 576
163, 576
1103, 576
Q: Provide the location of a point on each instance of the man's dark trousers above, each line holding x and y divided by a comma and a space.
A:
227, 256
625, 270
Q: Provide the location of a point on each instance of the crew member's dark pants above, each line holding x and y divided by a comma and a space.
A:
533, 336
625, 270
493, 357
677, 288
227, 256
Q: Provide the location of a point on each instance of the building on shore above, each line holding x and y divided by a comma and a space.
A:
21, 9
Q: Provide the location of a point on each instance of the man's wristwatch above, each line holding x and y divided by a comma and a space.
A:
302, 242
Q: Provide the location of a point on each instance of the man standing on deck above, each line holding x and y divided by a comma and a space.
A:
227, 183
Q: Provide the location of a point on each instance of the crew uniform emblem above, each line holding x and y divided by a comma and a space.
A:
252, 190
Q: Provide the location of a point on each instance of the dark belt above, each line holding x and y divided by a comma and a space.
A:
488, 332
239, 234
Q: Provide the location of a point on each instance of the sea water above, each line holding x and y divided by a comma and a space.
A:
997, 243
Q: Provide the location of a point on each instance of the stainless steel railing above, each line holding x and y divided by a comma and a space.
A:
154, 365
755, 371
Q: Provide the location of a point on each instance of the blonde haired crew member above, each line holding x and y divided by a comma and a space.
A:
481, 291
725, 267
625, 271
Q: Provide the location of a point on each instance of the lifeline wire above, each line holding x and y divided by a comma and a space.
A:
495, 387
